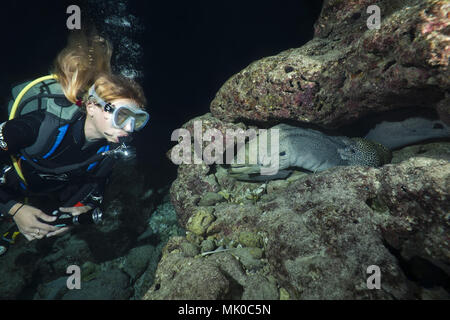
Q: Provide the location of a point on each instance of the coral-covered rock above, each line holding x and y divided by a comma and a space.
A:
219, 276
193, 180
200, 221
348, 71
187, 278
321, 232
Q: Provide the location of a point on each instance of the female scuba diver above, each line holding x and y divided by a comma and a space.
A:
72, 157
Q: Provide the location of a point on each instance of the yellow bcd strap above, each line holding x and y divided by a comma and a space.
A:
12, 238
12, 114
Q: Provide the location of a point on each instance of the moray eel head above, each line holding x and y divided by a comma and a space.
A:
268, 164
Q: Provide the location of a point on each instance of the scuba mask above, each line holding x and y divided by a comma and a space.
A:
123, 115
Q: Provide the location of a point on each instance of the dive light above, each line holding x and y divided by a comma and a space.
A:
124, 151
65, 219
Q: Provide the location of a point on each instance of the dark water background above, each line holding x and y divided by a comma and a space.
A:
190, 49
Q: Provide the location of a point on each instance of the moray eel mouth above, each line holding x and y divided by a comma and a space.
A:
268, 171
252, 173
268, 165
262, 165
244, 169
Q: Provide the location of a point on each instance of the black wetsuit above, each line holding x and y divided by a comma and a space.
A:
73, 148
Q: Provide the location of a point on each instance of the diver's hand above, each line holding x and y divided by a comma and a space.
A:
75, 211
26, 219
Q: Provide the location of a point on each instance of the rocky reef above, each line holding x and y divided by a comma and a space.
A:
314, 236
348, 71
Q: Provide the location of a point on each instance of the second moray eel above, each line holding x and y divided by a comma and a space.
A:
316, 151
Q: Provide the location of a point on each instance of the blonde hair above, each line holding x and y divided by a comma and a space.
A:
86, 60
111, 87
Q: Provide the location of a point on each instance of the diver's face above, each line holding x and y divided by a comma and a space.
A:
102, 121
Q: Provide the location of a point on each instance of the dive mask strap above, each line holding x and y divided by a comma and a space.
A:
94, 94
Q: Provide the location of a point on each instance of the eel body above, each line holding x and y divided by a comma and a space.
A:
396, 134
311, 150
316, 151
